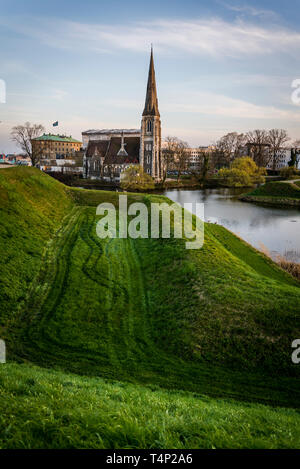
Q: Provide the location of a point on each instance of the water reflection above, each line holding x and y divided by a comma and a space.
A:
274, 229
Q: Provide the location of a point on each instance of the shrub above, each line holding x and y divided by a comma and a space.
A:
289, 172
291, 267
243, 173
135, 179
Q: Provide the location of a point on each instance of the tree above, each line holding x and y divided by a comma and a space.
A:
258, 147
243, 172
181, 157
23, 135
294, 161
135, 179
203, 166
277, 138
168, 154
229, 146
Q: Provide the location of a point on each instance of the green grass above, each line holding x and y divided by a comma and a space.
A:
277, 189
49, 409
218, 321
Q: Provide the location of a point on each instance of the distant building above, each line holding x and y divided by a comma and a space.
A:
195, 159
59, 146
282, 159
109, 152
58, 153
107, 134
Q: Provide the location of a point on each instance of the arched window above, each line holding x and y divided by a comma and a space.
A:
149, 126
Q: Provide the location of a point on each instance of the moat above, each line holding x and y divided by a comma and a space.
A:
275, 230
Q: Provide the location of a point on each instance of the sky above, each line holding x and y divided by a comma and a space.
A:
221, 66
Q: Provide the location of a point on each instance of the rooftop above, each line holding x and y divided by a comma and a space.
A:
57, 138
111, 131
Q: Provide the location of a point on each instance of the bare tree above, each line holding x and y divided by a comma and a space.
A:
23, 136
181, 157
168, 154
229, 146
296, 144
205, 165
258, 145
277, 139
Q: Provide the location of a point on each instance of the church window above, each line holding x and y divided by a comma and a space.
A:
149, 126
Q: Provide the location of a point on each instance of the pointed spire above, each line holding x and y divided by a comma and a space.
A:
151, 103
122, 151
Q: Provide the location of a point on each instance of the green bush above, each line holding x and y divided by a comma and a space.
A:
135, 179
243, 172
289, 172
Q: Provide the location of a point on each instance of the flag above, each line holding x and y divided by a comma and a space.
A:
55, 124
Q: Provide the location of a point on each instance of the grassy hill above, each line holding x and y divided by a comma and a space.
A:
219, 321
42, 408
276, 193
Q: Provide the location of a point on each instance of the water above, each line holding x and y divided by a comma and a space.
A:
276, 230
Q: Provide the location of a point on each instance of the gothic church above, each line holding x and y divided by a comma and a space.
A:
109, 152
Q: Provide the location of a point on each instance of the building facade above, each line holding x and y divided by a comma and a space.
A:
58, 153
58, 146
109, 152
195, 157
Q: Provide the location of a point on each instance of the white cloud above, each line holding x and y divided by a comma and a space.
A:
220, 105
250, 10
208, 36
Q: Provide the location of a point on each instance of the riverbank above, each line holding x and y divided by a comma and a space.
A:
73, 180
284, 193
273, 201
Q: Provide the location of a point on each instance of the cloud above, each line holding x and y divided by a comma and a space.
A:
250, 10
220, 105
208, 36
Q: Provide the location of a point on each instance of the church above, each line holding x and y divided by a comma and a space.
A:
107, 153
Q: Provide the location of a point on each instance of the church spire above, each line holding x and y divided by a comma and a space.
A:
151, 103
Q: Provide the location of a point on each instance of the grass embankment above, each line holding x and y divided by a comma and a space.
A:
49, 409
276, 193
217, 321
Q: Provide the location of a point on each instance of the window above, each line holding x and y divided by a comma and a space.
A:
149, 126
148, 159
148, 171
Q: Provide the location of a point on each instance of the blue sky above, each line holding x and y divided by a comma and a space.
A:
221, 66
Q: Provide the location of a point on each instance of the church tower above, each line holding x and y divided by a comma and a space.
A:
150, 146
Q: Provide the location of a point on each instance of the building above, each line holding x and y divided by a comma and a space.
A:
282, 159
195, 157
58, 153
108, 152
107, 134
58, 146
108, 157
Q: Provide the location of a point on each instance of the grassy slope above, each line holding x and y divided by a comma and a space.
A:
277, 189
32, 207
49, 409
218, 321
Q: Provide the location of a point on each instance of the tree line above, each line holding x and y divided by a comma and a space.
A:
263, 146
